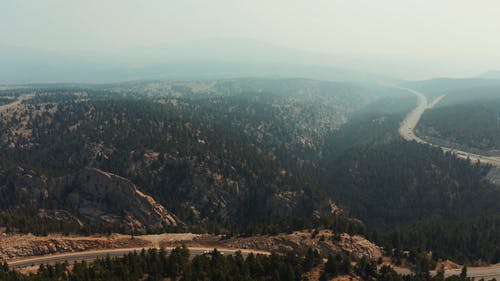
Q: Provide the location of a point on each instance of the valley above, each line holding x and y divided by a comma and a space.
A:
407, 131
255, 141
253, 165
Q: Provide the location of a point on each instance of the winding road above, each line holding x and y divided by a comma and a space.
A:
407, 129
92, 255
407, 132
486, 272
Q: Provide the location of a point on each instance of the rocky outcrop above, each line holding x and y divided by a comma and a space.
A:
59, 215
101, 196
324, 241
18, 246
90, 195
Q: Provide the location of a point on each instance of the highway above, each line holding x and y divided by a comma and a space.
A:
407, 132
407, 129
92, 255
486, 272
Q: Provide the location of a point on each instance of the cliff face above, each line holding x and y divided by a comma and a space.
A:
92, 195
97, 196
208, 187
102, 196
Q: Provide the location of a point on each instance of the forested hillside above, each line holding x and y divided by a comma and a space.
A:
467, 117
474, 125
237, 157
399, 189
222, 157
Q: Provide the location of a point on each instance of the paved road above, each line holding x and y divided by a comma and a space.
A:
92, 255
407, 129
487, 272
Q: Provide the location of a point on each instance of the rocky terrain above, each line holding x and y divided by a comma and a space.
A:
17, 246
238, 157
96, 194
324, 241
227, 151
89, 195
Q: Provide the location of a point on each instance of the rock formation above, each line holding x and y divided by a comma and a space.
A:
324, 241
91, 195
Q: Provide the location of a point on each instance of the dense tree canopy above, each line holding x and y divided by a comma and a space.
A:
246, 157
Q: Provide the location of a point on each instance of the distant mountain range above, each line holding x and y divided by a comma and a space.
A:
492, 74
202, 60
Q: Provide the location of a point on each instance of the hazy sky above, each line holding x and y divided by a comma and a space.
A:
465, 34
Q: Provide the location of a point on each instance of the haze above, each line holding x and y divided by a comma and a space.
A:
102, 41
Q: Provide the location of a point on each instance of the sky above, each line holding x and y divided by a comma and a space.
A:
412, 39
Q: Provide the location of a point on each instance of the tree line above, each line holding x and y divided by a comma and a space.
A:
156, 265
